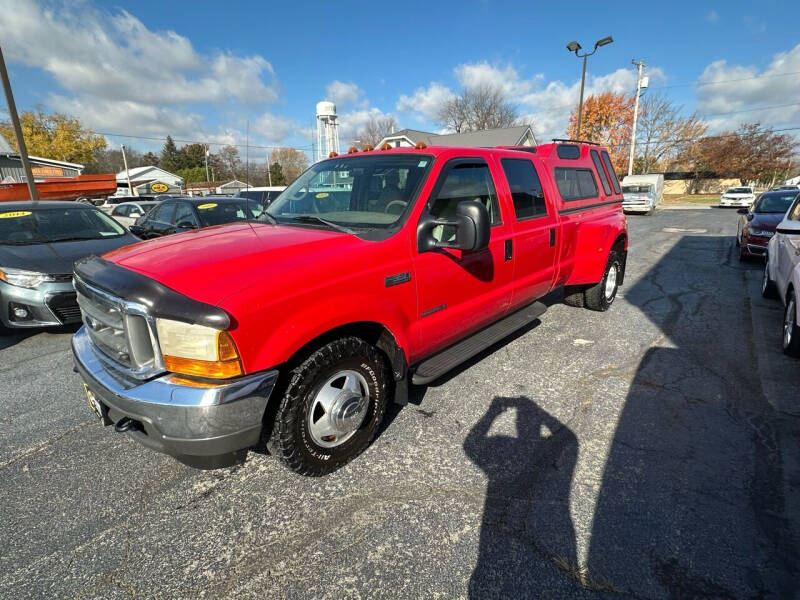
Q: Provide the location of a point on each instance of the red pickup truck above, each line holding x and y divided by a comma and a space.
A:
374, 270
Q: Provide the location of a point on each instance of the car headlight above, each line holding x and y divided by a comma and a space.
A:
198, 350
22, 278
761, 232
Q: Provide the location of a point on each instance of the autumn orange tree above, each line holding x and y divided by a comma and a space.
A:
607, 119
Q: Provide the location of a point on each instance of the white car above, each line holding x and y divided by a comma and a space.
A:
737, 196
127, 213
782, 275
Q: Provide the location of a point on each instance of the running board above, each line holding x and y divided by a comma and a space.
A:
439, 364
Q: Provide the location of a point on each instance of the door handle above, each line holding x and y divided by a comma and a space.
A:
509, 249
552, 237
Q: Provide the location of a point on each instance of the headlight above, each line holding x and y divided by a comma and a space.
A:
761, 232
22, 278
197, 350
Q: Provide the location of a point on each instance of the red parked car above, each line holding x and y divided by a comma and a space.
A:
373, 270
757, 224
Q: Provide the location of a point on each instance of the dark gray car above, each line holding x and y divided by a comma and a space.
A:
39, 242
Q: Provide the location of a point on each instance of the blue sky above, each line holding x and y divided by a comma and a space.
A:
202, 70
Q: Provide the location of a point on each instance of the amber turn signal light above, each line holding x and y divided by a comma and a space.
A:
352, 150
420, 146
226, 366
368, 147
333, 154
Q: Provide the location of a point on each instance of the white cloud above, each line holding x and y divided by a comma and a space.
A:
343, 94
118, 75
474, 75
272, 128
724, 88
425, 100
352, 122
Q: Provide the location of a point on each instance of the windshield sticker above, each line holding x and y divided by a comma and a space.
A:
206, 206
322, 195
15, 214
422, 163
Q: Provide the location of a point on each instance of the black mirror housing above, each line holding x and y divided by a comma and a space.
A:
743, 211
472, 228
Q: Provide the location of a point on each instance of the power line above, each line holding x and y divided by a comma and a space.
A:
733, 112
705, 137
724, 81
205, 143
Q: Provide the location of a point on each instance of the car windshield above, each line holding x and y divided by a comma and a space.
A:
358, 192
635, 189
739, 190
44, 225
774, 203
226, 211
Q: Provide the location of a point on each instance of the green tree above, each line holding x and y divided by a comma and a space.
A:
193, 155
56, 136
151, 159
170, 156
192, 174
276, 174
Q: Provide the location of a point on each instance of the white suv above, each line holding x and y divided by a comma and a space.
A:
782, 275
737, 196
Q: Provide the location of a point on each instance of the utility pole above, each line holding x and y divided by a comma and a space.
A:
12, 112
639, 64
207, 179
269, 170
131, 191
247, 156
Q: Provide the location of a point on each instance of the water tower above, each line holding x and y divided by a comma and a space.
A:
327, 129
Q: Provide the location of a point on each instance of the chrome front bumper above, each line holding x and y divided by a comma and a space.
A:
205, 427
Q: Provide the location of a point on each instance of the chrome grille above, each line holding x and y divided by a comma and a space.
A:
122, 331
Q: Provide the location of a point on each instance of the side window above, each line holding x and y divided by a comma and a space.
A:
601, 172
463, 181
120, 211
184, 212
526, 189
794, 213
575, 184
611, 173
163, 212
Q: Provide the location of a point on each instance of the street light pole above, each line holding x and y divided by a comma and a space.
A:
12, 112
575, 47
639, 64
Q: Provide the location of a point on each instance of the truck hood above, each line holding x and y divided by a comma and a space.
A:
212, 263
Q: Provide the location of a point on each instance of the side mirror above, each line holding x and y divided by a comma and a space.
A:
789, 227
471, 224
743, 211
136, 229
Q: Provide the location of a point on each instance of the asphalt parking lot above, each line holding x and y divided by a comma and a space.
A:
652, 451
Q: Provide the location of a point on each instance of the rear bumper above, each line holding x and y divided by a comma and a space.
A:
202, 427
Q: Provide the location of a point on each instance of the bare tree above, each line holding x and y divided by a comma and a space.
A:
477, 108
376, 129
292, 163
662, 133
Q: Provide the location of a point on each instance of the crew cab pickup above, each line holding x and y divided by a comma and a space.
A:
373, 271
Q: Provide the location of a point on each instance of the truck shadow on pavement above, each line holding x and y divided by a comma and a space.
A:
693, 500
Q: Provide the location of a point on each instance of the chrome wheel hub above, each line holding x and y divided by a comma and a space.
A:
611, 282
338, 409
788, 323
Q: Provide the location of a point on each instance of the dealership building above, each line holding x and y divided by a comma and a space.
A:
147, 181
11, 170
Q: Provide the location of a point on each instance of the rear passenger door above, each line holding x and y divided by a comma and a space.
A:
459, 291
535, 231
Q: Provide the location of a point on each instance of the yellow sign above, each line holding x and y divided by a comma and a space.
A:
159, 187
47, 171
15, 214
205, 206
322, 195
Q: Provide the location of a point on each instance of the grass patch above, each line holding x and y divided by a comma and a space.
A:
691, 199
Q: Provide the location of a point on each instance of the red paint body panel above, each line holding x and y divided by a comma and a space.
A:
286, 285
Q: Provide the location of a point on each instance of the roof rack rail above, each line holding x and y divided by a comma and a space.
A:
556, 140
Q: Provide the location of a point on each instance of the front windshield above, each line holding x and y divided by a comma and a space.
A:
739, 190
635, 189
775, 203
369, 192
44, 225
221, 212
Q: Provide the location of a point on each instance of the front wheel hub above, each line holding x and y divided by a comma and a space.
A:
338, 408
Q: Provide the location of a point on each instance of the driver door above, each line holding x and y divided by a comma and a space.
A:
461, 291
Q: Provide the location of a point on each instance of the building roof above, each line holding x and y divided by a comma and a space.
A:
504, 136
146, 173
6, 149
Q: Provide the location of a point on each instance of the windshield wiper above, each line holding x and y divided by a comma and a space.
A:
76, 238
268, 217
315, 219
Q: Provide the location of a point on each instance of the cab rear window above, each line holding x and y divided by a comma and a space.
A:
611, 173
575, 184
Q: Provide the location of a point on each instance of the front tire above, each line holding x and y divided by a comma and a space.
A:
768, 289
331, 409
601, 296
791, 331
